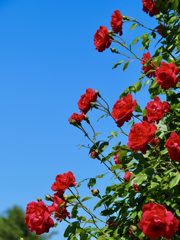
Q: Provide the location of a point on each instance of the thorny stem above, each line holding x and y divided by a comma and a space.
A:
93, 131
135, 20
173, 166
123, 132
123, 45
88, 211
102, 155
169, 52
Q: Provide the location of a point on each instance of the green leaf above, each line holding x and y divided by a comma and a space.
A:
135, 41
74, 211
103, 146
133, 26
140, 178
174, 181
137, 86
117, 64
137, 108
115, 167
85, 199
114, 134
125, 66
172, 19
91, 182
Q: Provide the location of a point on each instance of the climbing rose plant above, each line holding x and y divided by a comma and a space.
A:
144, 201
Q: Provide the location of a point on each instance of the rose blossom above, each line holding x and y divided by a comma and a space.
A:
116, 22
101, 39
145, 58
173, 146
156, 110
85, 100
166, 75
59, 208
127, 176
140, 135
122, 110
150, 6
157, 222
135, 186
38, 218
64, 181
77, 117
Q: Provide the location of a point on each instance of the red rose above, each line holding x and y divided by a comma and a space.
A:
116, 22
64, 181
76, 117
173, 146
38, 218
59, 208
156, 110
101, 39
85, 100
157, 222
122, 110
145, 58
150, 6
135, 186
166, 75
140, 135
127, 176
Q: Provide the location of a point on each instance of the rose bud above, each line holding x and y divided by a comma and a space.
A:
95, 192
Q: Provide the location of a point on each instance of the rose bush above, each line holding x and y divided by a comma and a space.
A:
142, 202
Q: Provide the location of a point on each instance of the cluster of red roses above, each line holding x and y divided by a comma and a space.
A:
101, 37
38, 215
84, 105
166, 74
141, 133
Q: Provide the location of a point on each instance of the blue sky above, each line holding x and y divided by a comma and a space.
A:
47, 60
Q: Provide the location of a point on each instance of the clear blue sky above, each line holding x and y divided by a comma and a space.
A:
47, 60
